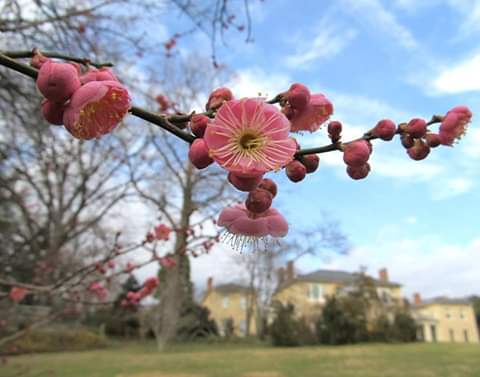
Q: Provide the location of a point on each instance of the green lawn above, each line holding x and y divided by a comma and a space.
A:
217, 360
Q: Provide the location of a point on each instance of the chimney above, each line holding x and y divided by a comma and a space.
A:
281, 275
209, 284
290, 270
417, 299
383, 275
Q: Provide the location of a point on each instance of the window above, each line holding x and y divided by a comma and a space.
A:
315, 292
243, 327
447, 314
243, 302
452, 335
461, 315
465, 335
225, 302
433, 331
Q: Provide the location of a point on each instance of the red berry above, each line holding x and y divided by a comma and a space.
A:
296, 171
358, 172
259, 200
311, 162
269, 185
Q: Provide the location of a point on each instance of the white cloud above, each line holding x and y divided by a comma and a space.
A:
255, 81
381, 21
411, 220
424, 265
462, 77
452, 187
328, 41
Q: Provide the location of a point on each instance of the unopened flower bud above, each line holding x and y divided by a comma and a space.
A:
417, 128
218, 97
419, 151
334, 130
259, 200
298, 96
244, 183
53, 112
269, 185
358, 172
433, 140
57, 81
296, 171
385, 129
407, 141
356, 153
311, 162
198, 124
198, 154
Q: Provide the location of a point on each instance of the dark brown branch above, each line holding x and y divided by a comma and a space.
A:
56, 55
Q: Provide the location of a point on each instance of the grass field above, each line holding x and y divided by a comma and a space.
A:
202, 360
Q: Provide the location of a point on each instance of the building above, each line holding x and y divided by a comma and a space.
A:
308, 293
444, 319
231, 302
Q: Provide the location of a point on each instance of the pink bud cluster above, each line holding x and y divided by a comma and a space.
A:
17, 294
99, 290
132, 298
89, 105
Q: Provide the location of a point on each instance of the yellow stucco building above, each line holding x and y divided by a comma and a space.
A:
231, 302
308, 293
444, 319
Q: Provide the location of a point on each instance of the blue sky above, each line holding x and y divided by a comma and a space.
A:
374, 59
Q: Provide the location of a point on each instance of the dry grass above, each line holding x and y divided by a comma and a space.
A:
414, 360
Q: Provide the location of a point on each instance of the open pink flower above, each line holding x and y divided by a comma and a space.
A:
250, 137
96, 109
238, 220
162, 232
17, 294
454, 124
313, 115
167, 262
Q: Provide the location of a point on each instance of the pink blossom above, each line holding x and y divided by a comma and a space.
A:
250, 137
311, 117
198, 154
198, 124
358, 172
311, 162
53, 112
163, 102
151, 283
102, 74
57, 81
298, 96
162, 232
356, 153
259, 200
96, 109
98, 290
268, 185
244, 183
239, 221
17, 294
168, 262
218, 97
130, 267
454, 124
334, 130
419, 151
417, 128
295, 171
385, 129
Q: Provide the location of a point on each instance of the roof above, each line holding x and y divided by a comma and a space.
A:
444, 300
334, 276
231, 288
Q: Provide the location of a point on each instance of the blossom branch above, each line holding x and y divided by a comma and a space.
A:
56, 55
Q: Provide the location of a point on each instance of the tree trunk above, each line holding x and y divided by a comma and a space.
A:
176, 288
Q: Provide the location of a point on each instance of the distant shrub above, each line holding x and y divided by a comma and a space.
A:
195, 323
404, 328
288, 331
53, 341
342, 321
